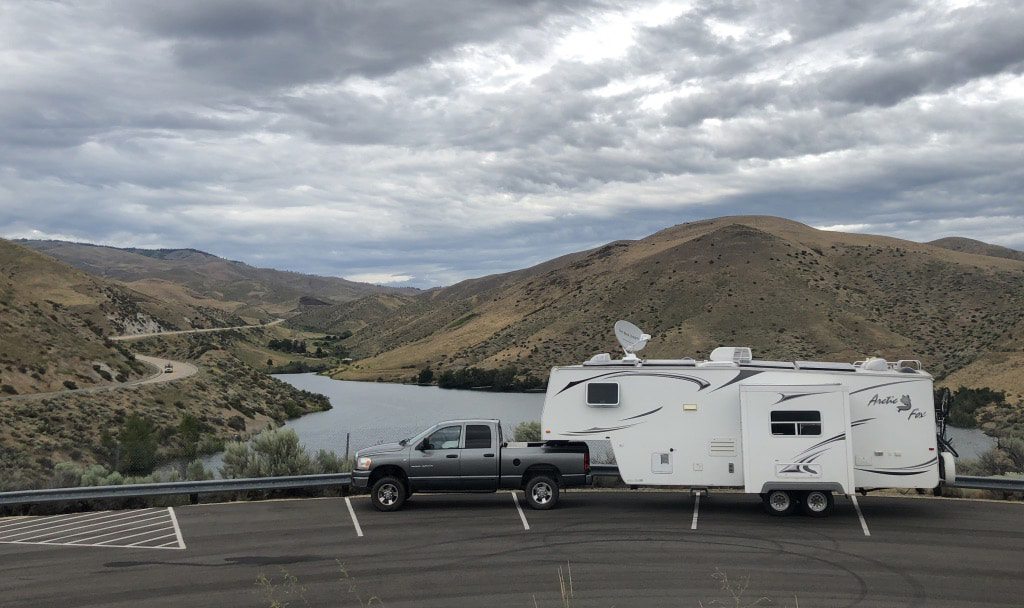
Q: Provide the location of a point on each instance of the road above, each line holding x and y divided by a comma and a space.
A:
623, 549
181, 369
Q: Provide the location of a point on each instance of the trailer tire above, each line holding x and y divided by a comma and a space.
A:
817, 503
541, 492
388, 494
779, 502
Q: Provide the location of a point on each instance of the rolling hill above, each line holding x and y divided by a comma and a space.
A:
786, 290
201, 279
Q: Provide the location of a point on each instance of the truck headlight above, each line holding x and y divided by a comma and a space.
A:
363, 463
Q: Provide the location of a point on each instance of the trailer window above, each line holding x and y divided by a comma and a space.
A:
796, 423
478, 436
603, 394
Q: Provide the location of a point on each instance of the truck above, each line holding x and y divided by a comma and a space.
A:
469, 456
793, 432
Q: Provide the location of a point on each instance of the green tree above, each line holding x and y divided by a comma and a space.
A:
426, 376
138, 439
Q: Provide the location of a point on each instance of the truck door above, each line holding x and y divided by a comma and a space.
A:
796, 437
480, 458
434, 463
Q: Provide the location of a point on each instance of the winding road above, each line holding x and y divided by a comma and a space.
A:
181, 369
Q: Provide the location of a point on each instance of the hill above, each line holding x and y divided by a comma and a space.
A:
957, 243
55, 325
54, 321
201, 279
786, 290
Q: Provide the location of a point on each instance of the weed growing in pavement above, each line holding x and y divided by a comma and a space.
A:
735, 590
288, 591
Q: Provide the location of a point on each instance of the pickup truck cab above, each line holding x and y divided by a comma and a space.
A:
469, 456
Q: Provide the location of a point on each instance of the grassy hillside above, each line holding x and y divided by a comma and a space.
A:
54, 321
226, 400
780, 287
188, 275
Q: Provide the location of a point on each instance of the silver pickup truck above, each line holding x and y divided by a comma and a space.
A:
469, 456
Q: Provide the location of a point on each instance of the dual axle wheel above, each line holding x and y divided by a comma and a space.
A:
816, 503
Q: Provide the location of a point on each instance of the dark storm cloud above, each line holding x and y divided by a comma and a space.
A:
442, 141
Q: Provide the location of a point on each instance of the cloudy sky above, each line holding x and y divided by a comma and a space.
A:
422, 143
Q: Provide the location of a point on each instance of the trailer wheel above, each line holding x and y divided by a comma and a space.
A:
388, 494
541, 492
779, 502
818, 503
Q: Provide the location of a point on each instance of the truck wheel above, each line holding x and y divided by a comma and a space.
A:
817, 503
541, 492
388, 494
779, 502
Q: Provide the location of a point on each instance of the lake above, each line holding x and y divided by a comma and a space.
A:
372, 413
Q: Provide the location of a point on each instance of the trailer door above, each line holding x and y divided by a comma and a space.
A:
796, 437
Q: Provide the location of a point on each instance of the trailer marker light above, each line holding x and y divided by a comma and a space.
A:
689, 407
548, 432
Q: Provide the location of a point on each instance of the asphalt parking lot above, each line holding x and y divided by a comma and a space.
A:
611, 548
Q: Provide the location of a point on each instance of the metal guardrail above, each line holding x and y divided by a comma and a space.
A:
175, 488
998, 484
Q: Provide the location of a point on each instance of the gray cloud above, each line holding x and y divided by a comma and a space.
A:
452, 140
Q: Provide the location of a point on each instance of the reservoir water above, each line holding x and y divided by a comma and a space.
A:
374, 413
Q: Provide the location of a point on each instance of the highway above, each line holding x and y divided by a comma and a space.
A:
623, 548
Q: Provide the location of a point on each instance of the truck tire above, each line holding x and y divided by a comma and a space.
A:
541, 492
388, 494
779, 502
817, 503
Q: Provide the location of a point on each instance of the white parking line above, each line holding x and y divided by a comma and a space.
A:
355, 522
522, 516
696, 509
177, 530
106, 529
863, 524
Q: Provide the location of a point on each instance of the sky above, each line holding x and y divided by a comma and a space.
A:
415, 143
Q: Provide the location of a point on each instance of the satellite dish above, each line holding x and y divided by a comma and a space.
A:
630, 337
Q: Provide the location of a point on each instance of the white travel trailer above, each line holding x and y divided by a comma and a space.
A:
793, 432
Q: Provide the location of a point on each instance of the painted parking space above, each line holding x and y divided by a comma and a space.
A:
155, 528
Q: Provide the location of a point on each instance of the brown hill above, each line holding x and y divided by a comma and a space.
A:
957, 243
202, 279
785, 289
54, 321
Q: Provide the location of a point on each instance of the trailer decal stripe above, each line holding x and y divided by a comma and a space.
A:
877, 386
700, 382
915, 469
655, 410
743, 375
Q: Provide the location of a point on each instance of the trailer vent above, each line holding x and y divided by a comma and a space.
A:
722, 446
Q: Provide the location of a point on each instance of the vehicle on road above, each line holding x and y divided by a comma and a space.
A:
168, 368
793, 432
469, 456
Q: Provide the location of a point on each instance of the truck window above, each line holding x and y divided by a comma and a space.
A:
478, 436
792, 423
446, 438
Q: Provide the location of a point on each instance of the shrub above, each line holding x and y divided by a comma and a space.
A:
527, 431
7, 388
272, 452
